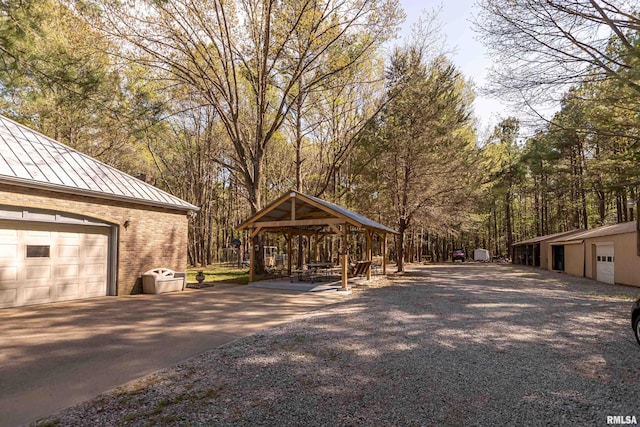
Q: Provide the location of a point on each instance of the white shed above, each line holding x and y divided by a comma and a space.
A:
481, 255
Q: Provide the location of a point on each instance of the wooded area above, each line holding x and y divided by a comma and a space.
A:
229, 104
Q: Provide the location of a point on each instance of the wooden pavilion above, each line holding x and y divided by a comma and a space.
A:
295, 214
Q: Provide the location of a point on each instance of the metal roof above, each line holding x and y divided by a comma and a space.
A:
606, 230
309, 207
31, 159
363, 220
547, 237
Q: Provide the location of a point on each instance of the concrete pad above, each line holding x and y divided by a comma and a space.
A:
56, 355
286, 284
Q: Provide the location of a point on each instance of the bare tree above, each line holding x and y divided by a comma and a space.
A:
243, 59
246, 59
545, 45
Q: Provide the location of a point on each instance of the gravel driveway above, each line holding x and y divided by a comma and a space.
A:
463, 344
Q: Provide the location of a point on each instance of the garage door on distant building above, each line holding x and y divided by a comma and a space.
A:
41, 263
604, 263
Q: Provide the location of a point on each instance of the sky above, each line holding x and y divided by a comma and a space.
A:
467, 53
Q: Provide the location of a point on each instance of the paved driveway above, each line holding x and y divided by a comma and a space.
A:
53, 356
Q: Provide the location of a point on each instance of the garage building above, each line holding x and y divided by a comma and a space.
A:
72, 227
608, 254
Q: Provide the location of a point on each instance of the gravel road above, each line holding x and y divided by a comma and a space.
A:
463, 344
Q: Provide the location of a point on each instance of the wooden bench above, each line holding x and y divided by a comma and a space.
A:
360, 268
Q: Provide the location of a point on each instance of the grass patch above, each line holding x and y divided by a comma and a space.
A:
163, 403
220, 273
48, 422
127, 419
212, 393
297, 341
624, 297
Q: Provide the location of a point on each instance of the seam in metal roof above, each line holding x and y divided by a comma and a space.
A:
31, 159
367, 222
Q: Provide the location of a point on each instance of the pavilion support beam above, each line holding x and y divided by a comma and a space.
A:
254, 232
297, 223
384, 255
293, 209
321, 236
369, 253
252, 255
290, 236
335, 229
345, 257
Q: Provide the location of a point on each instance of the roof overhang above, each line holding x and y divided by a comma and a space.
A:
566, 242
548, 237
605, 231
20, 182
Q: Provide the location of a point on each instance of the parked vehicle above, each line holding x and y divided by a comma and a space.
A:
635, 319
458, 254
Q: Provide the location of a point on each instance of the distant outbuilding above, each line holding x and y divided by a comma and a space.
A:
481, 255
608, 254
534, 251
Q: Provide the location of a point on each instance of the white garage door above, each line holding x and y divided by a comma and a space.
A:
42, 263
604, 263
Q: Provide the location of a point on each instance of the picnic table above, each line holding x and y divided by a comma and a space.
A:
315, 271
319, 265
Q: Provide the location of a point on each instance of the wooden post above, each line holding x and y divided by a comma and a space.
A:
290, 234
252, 256
345, 258
369, 253
384, 255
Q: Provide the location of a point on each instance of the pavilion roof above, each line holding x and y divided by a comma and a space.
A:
303, 212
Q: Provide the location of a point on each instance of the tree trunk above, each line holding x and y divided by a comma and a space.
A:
536, 207
619, 206
495, 231
507, 223
253, 189
400, 244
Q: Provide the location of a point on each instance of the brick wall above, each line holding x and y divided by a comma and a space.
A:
155, 237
